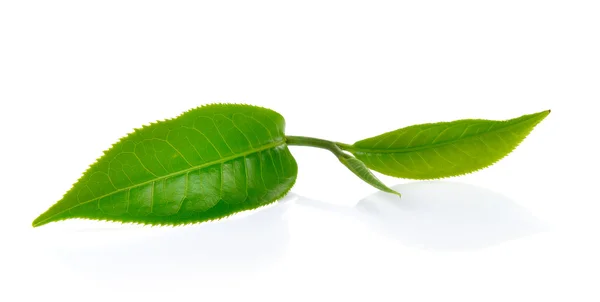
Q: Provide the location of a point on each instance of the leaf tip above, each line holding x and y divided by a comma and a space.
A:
392, 191
43, 219
542, 115
39, 221
545, 112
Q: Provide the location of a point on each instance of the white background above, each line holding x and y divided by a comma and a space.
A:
77, 75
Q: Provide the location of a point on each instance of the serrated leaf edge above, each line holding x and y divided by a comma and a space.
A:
36, 223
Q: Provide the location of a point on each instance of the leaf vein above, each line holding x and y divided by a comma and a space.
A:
224, 159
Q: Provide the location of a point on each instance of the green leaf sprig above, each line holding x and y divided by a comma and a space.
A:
216, 160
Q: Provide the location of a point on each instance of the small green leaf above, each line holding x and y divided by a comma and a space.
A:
358, 167
208, 163
437, 150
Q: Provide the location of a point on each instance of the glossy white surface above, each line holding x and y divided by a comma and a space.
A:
76, 76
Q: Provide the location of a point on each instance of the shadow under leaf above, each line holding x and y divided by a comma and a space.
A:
230, 248
441, 215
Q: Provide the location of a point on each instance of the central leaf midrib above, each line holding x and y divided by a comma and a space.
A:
417, 148
204, 165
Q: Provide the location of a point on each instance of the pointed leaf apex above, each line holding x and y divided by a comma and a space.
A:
39, 221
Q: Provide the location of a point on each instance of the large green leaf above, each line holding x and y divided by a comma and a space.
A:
437, 150
208, 163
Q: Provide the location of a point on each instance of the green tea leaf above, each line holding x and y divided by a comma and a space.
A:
437, 150
208, 163
358, 167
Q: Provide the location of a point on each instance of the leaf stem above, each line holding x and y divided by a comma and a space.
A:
316, 143
352, 163
344, 147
